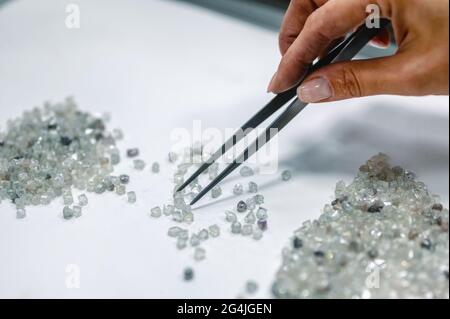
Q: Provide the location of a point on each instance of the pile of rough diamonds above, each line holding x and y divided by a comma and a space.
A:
384, 236
50, 151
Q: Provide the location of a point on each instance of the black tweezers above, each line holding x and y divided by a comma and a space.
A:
345, 51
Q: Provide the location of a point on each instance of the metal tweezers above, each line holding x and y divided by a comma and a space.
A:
345, 51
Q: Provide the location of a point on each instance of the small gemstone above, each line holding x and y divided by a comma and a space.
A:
188, 217
259, 199
184, 233
372, 253
168, 210
426, 244
241, 206
376, 207
77, 211
319, 254
252, 187
251, 287
155, 167
261, 213
188, 274
20, 213
216, 192
173, 157
174, 231
100, 188
131, 197
115, 159
257, 234
124, 179
182, 243
199, 253
68, 199
213, 171
179, 202
230, 216
247, 230
262, 224
297, 243
66, 141
286, 175
238, 189
177, 216
250, 203
246, 171
155, 212
203, 235
194, 240
120, 190
132, 152
236, 227
139, 164
250, 218
214, 230
67, 213
117, 134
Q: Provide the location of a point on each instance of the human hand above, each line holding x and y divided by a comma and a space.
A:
420, 66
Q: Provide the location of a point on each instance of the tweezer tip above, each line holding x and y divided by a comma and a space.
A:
195, 200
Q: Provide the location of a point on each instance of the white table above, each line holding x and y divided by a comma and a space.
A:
157, 66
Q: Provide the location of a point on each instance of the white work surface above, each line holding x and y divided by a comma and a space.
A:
156, 66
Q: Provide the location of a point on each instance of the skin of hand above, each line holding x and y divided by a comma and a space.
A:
419, 67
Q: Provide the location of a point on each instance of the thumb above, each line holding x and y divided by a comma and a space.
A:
351, 79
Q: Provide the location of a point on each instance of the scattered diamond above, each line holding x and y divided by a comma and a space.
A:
20, 213
133, 152
131, 197
250, 218
155, 212
188, 274
246, 171
124, 179
139, 164
214, 231
252, 187
261, 213
155, 167
247, 229
230, 216
241, 206
286, 175
174, 231
236, 227
216, 192
238, 189
199, 253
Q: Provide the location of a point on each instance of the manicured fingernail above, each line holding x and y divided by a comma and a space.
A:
270, 87
314, 90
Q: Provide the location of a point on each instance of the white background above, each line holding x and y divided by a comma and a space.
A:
156, 66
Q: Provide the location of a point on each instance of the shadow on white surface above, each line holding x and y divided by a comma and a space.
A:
416, 141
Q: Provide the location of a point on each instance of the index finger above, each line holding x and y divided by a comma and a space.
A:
329, 22
294, 20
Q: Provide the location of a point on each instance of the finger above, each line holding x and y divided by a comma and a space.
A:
359, 78
294, 20
327, 23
